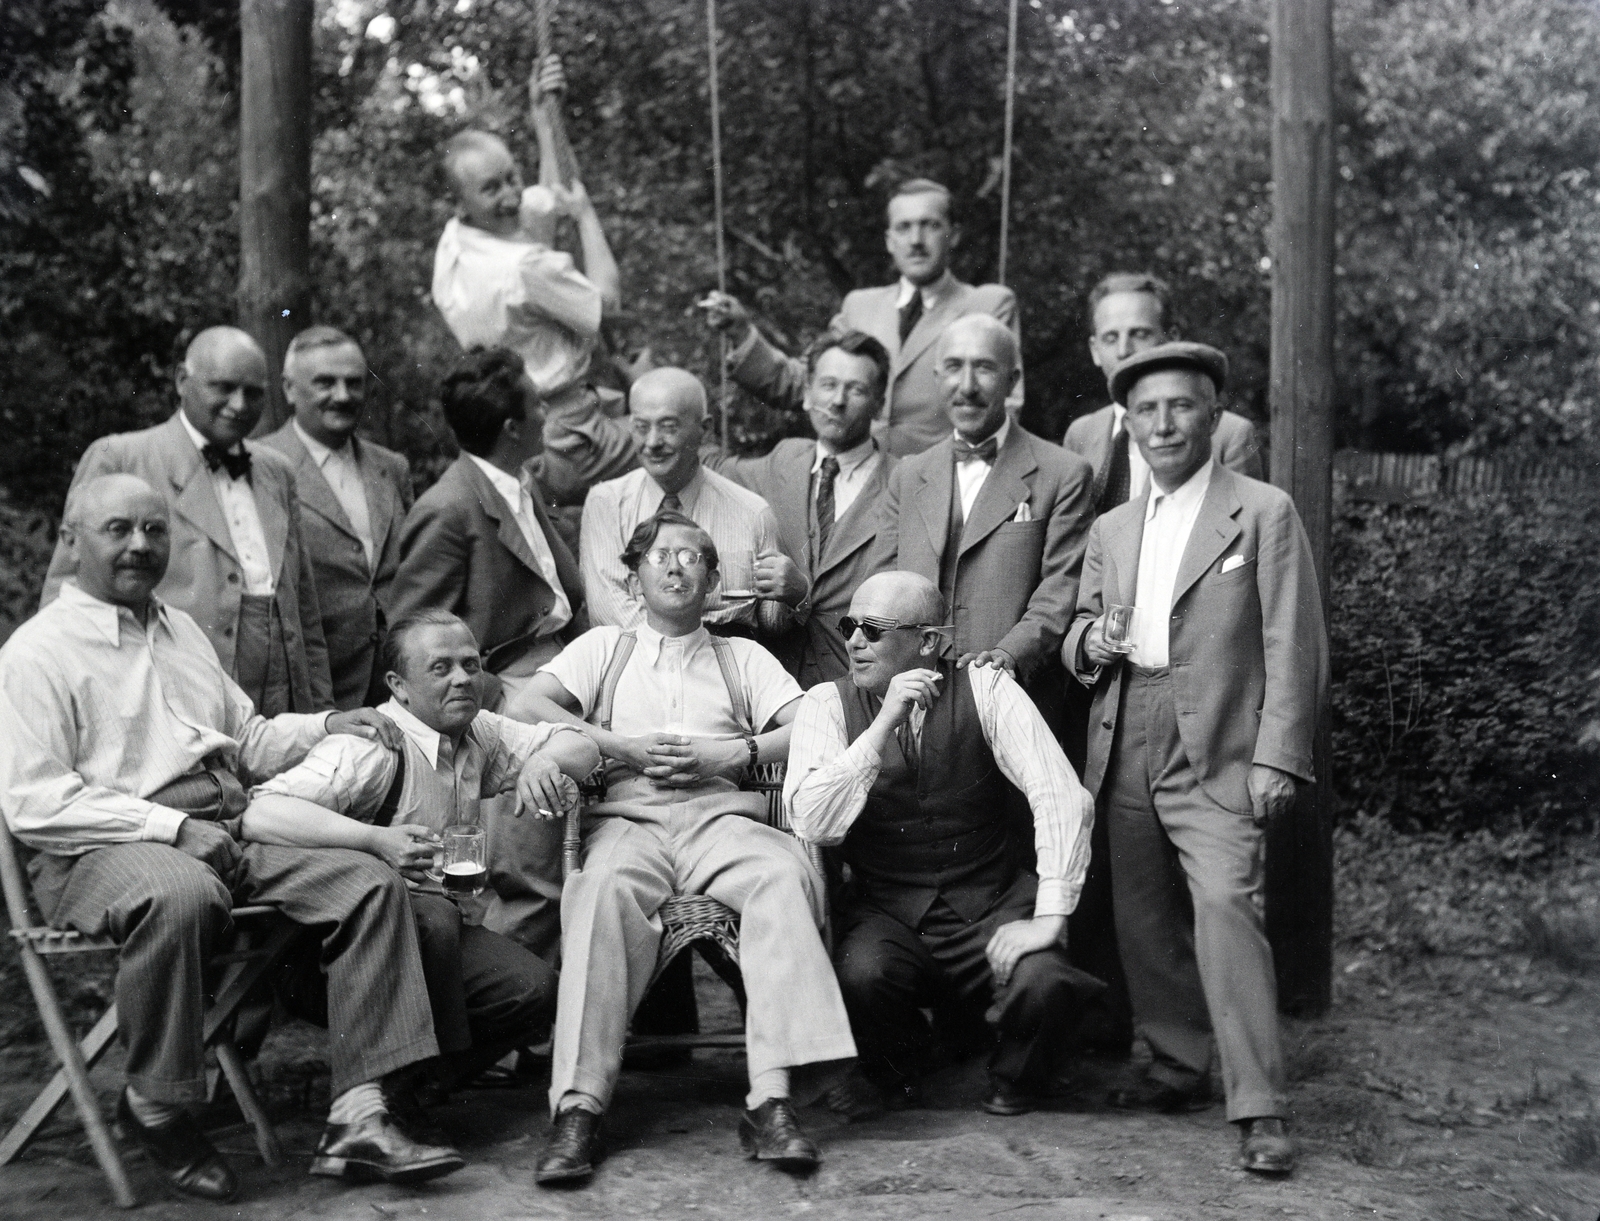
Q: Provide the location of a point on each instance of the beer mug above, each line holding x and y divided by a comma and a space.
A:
460, 863
1119, 628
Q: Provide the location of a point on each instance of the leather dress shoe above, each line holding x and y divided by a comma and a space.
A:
189, 1161
771, 1133
573, 1148
1152, 1095
1006, 1098
379, 1149
1265, 1146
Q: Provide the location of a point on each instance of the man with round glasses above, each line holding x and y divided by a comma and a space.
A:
679, 715
903, 766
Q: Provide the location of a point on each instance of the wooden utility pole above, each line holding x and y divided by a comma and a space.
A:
275, 182
1300, 849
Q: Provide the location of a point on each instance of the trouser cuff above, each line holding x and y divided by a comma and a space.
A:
161, 1089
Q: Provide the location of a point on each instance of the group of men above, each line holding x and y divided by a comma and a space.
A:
261, 674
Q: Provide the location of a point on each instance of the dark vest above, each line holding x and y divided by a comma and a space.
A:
938, 830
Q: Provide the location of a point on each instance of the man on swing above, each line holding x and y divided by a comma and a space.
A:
680, 715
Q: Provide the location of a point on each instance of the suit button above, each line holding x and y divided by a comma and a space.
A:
1105, 724
227, 631
375, 637
233, 578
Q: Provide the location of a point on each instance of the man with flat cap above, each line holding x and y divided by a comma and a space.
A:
1200, 734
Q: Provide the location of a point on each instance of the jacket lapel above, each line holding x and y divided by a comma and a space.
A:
1004, 489
272, 507
791, 501
952, 292
933, 495
315, 492
859, 526
193, 495
1122, 549
1213, 533
495, 507
383, 503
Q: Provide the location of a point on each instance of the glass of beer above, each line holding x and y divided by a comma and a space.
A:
738, 575
1119, 628
462, 861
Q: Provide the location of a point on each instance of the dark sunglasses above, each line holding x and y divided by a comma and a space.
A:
873, 628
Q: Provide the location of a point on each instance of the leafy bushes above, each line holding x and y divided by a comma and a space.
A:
1464, 660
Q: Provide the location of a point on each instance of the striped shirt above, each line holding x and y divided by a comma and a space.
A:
829, 780
739, 522
98, 711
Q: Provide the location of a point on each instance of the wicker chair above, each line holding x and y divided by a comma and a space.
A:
260, 938
692, 920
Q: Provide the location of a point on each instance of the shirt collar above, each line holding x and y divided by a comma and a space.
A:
930, 292
198, 437
508, 485
424, 739
849, 459
999, 435
654, 642
104, 617
688, 494
319, 452
1185, 497
1119, 415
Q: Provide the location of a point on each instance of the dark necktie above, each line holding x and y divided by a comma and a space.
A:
1119, 476
671, 503
910, 313
984, 450
825, 478
908, 745
237, 464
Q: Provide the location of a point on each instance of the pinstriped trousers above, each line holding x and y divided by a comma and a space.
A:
167, 910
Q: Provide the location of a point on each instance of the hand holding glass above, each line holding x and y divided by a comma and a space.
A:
1118, 628
459, 862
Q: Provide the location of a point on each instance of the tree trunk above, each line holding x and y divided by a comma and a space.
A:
275, 182
1300, 849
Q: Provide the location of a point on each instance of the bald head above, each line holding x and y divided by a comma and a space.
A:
222, 385
667, 412
906, 597
903, 610
487, 182
986, 331
220, 344
116, 527
467, 145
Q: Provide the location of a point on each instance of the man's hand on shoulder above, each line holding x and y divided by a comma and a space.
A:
1013, 942
1271, 793
367, 723
209, 844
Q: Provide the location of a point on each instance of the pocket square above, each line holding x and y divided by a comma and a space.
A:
1023, 513
1232, 562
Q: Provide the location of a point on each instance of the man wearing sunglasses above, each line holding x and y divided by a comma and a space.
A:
905, 766
680, 715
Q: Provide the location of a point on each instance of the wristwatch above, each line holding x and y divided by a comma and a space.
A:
755, 753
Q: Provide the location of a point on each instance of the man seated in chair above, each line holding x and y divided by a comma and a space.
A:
904, 764
680, 716
489, 994
122, 747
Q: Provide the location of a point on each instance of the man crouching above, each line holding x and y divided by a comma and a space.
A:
680, 715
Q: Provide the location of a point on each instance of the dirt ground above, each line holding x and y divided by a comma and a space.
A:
1425, 1093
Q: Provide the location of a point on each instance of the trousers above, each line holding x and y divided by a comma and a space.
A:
635, 858
167, 911
889, 972
1186, 880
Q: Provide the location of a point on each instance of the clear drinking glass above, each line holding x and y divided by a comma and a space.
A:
1119, 628
460, 863
738, 574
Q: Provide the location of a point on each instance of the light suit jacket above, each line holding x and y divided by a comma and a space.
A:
1016, 581
815, 652
204, 577
348, 588
462, 551
1233, 445
913, 411
1248, 647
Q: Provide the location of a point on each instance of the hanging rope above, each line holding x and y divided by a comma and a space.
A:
1005, 168
716, 196
566, 159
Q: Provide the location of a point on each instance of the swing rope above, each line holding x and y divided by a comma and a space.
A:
716, 195
1005, 168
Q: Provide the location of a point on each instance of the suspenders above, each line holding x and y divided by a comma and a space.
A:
624, 651
391, 799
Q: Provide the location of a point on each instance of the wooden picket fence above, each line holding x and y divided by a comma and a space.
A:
1402, 478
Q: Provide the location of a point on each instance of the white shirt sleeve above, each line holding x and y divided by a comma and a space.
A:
343, 773
827, 783
1030, 757
508, 745
768, 686
581, 666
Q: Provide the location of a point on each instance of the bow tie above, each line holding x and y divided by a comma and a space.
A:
983, 451
237, 464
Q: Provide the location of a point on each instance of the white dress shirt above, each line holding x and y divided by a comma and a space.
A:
739, 522
971, 473
342, 469
856, 466
1168, 521
238, 501
1138, 468
444, 782
828, 782
520, 502
98, 711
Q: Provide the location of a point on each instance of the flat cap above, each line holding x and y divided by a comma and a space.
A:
1201, 357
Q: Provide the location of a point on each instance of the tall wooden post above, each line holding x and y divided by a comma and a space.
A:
1300, 850
275, 181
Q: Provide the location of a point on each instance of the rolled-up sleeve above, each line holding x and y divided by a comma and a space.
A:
343, 773
828, 780
508, 745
